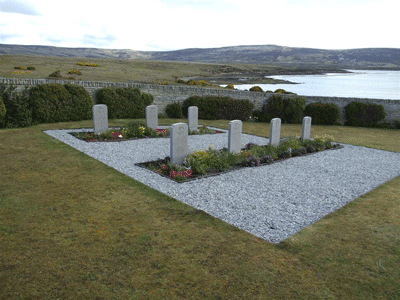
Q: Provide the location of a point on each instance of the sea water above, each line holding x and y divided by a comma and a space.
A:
357, 84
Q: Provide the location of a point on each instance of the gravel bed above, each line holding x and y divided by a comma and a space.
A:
273, 201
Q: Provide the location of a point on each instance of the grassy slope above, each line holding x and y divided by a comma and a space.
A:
74, 228
118, 70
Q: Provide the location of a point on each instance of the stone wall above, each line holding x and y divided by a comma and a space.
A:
165, 94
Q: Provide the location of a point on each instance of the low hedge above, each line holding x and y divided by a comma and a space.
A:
124, 103
289, 110
219, 108
174, 111
323, 113
81, 102
18, 111
361, 114
50, 103
54, 102
3, 112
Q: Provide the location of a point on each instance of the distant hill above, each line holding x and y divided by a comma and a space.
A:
365, 58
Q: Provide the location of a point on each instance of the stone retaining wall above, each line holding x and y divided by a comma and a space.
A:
165, 94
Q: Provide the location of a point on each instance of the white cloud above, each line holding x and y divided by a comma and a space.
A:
18, 7
179, 24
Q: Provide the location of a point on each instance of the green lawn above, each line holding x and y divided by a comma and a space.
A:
74, 228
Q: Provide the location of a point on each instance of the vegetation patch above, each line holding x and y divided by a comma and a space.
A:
211, 162
56, 74
133, 131
87, 64
256, 88
77, 72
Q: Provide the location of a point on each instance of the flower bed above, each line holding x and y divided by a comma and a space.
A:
133, 131
201, 164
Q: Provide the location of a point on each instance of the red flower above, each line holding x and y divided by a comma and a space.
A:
186, 173
161, 131
173, 173
116, 134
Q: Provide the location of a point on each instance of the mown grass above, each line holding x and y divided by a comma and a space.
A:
74, 228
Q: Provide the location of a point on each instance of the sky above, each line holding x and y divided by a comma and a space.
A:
162, 25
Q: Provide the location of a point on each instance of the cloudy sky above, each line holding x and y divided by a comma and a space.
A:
158, 25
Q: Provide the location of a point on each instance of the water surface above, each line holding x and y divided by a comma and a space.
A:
357, 84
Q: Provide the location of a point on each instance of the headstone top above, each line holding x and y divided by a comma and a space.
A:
193, 116
178, 143
275, 132
100, 118
235, 136
306, 128
152, 116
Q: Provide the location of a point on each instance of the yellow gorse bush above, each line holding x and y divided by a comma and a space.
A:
77, 72
87, 64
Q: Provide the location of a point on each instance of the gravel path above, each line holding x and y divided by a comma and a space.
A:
273, 201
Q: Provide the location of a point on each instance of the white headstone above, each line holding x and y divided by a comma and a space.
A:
306, 128
100, 118
152, 116
178, 142
235, 136
275, 132
193, 117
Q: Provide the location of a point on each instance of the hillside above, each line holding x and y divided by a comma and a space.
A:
365, 58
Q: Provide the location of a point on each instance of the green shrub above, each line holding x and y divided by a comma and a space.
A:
274, 108
124, 103
81, 102
363, 114
19, 68
219, 108
256, 88
198, 82
56, 74
137, 129
257, 115
230, 86
294, 109
174, 111
17, 106
396, 124
282, 91
31, 68
323, 113
289, 110
3, 112
51, 103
